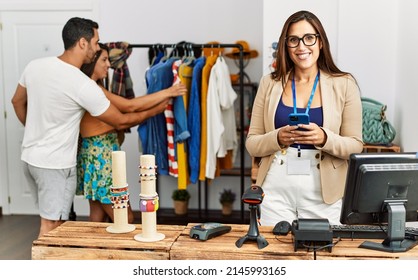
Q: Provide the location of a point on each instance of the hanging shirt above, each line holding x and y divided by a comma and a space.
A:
169, 117
153, 132
185, 75
221, 122
210, 61
194, 119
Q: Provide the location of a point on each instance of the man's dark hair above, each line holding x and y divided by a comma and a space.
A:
77, 28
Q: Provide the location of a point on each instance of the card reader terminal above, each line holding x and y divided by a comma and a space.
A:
207, 231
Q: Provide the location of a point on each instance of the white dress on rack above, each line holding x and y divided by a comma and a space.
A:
221, 120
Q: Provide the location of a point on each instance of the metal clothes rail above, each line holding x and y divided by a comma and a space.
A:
241, 106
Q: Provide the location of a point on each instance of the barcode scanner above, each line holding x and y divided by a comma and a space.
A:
253, 196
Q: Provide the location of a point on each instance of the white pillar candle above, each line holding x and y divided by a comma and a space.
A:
119, 169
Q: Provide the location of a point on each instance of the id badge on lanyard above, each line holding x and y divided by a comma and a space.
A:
298, 166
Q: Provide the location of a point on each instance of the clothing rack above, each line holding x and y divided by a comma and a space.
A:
241, 105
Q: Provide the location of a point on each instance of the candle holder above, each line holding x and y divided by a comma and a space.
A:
148, 201
120, 195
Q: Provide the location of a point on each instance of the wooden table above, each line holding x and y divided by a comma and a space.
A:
91, 241
86, 240
280, 247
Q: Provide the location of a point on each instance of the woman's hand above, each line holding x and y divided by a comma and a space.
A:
310, 134
176, 90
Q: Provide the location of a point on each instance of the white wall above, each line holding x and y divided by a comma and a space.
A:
364, 50
165, 21
3, 152
405, 93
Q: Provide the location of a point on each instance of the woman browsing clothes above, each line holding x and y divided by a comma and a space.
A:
98, 140
305, 123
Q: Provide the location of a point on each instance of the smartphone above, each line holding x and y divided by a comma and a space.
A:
298, 118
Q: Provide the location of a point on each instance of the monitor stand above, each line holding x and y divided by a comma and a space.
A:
395, 241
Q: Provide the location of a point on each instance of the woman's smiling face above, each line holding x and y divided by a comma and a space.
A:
304, 56
102, 66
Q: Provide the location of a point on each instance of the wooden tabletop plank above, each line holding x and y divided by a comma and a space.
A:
279, 247
68, 253
89, 240
93, 236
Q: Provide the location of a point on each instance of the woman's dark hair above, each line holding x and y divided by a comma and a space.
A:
88, 68
77, 28
283, 62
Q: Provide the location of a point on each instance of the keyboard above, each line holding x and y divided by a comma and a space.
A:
368, 232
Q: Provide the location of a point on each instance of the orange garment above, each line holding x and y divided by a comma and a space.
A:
224, 163
210, 61
185, 73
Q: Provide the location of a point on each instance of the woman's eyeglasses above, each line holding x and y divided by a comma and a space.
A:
307, 39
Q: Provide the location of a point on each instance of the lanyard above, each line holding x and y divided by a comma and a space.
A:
310, 98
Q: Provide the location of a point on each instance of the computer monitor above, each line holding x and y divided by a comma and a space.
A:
382, 188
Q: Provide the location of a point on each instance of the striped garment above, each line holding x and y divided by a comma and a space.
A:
169, 116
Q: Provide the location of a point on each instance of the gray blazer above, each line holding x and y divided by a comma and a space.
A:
342, 122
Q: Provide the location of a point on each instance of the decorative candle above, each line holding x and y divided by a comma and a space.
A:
119, 169
120, 195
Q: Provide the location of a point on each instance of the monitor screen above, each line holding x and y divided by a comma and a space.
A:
382, 188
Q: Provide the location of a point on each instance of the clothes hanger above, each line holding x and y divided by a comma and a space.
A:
165, 56
175, 52
185, 51
202, 51
220, 52
190, 58
154, 50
